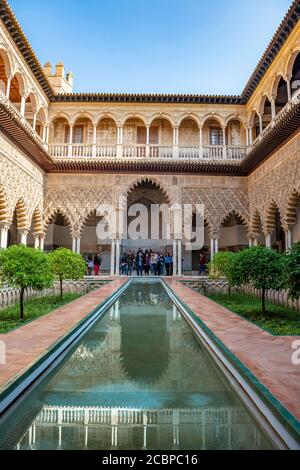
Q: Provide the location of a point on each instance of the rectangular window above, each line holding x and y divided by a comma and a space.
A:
216, 136
154, 136
141, 135
77, 135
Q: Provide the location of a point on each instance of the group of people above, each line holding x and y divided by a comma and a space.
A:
146, 262
143, 262
93, 263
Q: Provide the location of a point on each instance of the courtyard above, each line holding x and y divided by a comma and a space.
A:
149, 241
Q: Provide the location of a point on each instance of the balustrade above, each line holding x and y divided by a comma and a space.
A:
208, 152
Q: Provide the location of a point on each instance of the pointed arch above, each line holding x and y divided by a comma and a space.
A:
238, 215
291, 209
152, 180
53, 213
256, 222
270, 218
21, 214
37, 222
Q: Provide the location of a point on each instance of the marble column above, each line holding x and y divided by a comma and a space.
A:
273, 108
24, 234
179, 258
118, 248
23, 104
224, 143
94, 147
260, 123
216, 246
147, 142
34, 122
8, 87
3, 237
70, 151
288, 239
289, 91
212, 249
112, 257
36, 240
174, 258
42, 241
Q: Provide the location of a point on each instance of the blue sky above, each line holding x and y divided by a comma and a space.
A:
157, 46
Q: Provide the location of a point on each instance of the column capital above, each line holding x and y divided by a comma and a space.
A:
23, 231
76, 234
4, 226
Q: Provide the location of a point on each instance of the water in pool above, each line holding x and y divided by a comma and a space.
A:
139, 379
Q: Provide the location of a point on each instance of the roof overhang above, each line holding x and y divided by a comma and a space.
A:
159, 166
270, 143
18, 132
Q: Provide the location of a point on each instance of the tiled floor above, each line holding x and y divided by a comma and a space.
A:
267, 356
26, 344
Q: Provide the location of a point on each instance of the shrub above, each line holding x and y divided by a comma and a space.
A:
66, 264
259, 267
220, 266
23, 267
291, 274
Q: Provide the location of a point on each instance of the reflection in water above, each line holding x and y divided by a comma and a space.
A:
139, 379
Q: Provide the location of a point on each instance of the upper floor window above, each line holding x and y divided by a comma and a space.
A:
216, 136
77, 135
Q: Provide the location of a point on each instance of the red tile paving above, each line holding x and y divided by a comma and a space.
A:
28, 343
267, 356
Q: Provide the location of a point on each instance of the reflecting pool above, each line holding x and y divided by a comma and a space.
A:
138, 379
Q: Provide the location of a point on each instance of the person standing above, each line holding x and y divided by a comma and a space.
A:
90, 265
154, 258
97, 263
140, 263
147, 262
202, 263
168, 260
130, 262
124, 265
86, 259
160, 264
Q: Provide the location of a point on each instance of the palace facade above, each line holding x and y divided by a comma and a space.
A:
63, 154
